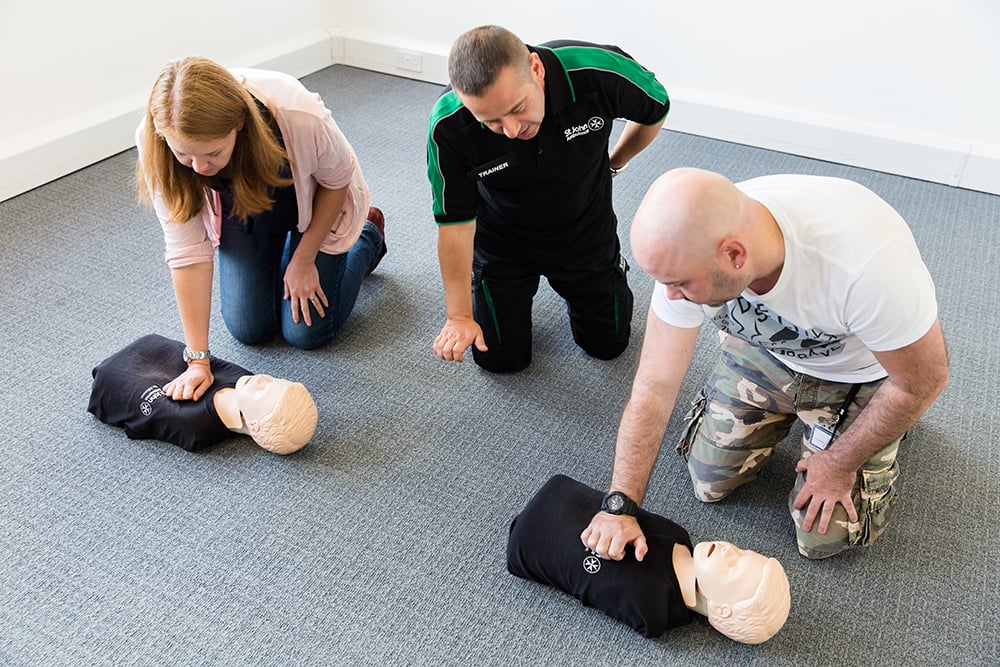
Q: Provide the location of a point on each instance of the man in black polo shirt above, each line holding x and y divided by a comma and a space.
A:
521, 177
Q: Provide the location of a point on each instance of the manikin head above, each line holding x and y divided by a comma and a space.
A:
279, 415
744, 595
692, 232
499, 81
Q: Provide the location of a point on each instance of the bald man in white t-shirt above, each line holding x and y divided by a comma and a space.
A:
826, 313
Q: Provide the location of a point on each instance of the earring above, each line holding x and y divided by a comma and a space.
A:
738, 266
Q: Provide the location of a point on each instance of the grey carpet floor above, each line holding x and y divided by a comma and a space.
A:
383, 541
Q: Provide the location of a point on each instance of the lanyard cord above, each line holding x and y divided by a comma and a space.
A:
842, 410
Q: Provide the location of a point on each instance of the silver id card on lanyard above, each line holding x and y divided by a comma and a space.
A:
820, 436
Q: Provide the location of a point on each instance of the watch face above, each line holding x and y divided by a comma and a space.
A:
615, 502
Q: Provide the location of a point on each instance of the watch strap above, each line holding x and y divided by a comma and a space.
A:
194, 355
617, 503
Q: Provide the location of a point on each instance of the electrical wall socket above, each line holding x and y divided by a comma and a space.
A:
409, 60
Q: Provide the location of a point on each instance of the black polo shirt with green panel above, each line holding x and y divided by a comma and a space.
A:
552, 192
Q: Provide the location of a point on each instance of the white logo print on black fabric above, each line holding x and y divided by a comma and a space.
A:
591, 563
147, 398
593, 125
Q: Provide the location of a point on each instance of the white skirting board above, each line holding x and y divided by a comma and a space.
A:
942, 160
82, 141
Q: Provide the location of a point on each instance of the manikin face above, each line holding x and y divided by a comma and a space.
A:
512, 106
727, 575
257, 395
207, 158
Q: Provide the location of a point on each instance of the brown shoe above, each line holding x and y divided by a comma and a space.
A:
376, 218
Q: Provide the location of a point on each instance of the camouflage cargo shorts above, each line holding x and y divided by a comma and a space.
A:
748, 406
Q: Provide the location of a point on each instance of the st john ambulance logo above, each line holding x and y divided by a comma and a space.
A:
148, 397
593, 125
592, 564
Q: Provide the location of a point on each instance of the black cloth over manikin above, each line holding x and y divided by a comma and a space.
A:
544, 545
128, 392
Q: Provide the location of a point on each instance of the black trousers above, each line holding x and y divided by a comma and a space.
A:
594, 286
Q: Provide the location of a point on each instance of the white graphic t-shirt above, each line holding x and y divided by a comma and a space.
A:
852, 282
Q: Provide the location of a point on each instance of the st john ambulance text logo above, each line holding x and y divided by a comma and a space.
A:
147, 398
591, 563
593, 125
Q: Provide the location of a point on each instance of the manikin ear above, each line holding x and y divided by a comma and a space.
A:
720, 610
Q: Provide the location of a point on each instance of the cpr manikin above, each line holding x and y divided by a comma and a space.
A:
278, 414
744, 595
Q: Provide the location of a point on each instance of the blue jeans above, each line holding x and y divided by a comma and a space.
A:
252, 262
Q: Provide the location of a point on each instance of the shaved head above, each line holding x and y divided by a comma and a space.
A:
686, 211
705, 239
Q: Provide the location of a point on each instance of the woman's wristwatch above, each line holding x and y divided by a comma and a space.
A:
192, 355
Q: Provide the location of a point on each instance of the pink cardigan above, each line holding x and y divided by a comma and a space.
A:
319, 154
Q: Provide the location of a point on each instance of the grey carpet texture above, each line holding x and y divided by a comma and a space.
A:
383, 541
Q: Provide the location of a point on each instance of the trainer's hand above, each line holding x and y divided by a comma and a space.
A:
455, 338
609, 534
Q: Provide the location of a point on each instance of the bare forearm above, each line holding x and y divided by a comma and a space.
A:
918, 373
328, 205
666, 354
193, 290
889, 414
633, 139
640, 436
455, 249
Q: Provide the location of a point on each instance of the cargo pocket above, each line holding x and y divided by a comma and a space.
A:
692, 422
877, 499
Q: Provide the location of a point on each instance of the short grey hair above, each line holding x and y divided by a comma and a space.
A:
478, 56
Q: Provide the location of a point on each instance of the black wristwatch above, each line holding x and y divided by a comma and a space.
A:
617, 502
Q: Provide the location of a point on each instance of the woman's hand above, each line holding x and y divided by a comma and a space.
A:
192, 383
302, 288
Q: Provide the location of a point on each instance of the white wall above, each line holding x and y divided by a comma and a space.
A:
75, 74
906, 86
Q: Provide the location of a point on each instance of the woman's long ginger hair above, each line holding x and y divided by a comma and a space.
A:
199, 100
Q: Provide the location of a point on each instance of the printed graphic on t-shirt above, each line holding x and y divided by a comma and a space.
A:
756, 324
595, 124
591, 563
147, 398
